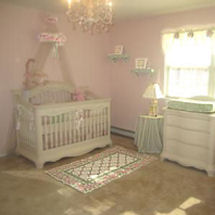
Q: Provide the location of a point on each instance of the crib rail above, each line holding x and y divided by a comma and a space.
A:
51, 96
77, 123
25, 126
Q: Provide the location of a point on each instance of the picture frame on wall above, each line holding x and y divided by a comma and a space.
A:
141, 63
118, 50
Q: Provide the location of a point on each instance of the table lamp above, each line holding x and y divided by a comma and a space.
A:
153, 92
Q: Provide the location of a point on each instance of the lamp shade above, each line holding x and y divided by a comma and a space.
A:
153, 92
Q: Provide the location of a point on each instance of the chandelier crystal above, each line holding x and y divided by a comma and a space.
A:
90, 15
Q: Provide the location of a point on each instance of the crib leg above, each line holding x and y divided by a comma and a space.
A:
39, 165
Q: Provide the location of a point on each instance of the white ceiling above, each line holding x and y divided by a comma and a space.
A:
125, 8
131, 8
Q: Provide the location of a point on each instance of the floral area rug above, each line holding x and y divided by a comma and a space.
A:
91, 173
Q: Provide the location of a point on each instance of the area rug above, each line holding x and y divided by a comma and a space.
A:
91, 173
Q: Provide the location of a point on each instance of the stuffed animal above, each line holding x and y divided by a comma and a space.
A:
79, 95
33, 78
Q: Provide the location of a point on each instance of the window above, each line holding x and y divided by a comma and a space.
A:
189, 64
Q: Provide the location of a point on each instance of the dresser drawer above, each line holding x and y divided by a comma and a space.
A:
187, 123
185, 151
189, 137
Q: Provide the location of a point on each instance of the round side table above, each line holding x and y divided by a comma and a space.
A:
149, 134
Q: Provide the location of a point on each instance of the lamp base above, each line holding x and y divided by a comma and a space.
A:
153, 110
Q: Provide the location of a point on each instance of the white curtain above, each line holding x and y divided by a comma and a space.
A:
188, 61
188, 51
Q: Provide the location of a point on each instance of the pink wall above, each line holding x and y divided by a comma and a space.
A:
82, 59
142, 38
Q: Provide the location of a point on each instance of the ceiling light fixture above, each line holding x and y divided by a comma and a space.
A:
90, 15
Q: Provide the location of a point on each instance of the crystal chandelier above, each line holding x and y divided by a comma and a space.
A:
90, 15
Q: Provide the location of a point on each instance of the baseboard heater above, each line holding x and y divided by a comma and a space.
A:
122, 132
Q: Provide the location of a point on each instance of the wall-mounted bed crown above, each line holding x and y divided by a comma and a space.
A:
50, 125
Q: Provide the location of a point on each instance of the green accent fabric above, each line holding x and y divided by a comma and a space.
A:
149, 134
141, 71
115, 57
192, 106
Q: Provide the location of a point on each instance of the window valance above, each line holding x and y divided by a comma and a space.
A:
189, 48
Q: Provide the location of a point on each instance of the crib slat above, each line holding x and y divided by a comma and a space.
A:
99, 123
51, 123
69, 128
82, 126
102, 122
96, 123
73, 126
78, 126
105, 121
65, 128
87, 124
44, 132
56, 127
60, 130
100, 117
90, 124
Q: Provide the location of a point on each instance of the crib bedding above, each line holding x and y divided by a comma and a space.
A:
192, 105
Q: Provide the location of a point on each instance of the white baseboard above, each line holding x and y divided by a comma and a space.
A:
123, 132
3, 155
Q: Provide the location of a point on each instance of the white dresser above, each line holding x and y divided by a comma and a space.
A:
189, 139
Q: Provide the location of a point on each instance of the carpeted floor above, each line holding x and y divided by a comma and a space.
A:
161, 188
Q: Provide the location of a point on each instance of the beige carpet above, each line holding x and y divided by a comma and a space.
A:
161, 188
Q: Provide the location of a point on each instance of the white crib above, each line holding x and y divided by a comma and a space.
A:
51, 126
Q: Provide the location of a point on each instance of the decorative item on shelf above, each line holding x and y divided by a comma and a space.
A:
153, 92
118, 50
90, 15
141, 66
141, 63
118, 54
